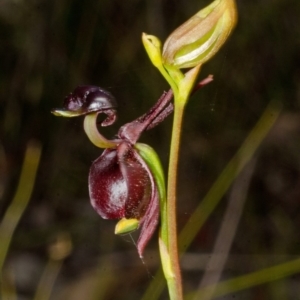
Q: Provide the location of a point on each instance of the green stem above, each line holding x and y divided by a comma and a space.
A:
175, 286
185, 86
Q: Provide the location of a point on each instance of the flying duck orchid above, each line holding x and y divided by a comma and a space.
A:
121, 182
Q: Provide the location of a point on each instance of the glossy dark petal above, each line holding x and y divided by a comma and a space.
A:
86, 99
137, 180
107, 186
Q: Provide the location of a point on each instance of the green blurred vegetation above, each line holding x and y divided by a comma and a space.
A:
47, 48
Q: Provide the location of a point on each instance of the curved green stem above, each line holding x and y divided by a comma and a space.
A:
91, 130
20, 201
21, 198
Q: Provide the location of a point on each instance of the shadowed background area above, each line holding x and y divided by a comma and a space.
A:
47, 48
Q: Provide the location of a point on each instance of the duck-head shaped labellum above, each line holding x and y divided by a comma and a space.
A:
87, 99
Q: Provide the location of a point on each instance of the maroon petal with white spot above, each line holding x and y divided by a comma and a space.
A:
121, 185
107, 186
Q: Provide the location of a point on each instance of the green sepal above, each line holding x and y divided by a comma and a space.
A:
153, 162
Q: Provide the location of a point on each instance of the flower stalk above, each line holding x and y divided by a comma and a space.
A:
189, 46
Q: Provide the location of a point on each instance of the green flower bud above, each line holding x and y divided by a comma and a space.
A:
199, 38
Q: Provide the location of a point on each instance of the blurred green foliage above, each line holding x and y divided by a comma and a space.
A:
47, 48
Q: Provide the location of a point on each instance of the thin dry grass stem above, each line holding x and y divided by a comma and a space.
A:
247, 281
58, 251
227, 230
228, 175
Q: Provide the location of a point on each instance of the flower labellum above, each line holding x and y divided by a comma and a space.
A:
121, 186
200, 37
87, 99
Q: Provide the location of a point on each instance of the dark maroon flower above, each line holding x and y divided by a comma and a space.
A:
121, 185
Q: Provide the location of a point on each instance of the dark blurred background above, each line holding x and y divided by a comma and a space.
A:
47, 48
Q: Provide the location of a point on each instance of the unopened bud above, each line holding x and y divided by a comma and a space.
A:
199, 38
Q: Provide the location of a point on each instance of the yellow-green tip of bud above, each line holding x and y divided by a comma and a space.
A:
200, 37
126, 226
153, 47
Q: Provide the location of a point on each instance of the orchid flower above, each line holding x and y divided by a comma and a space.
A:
121, 184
